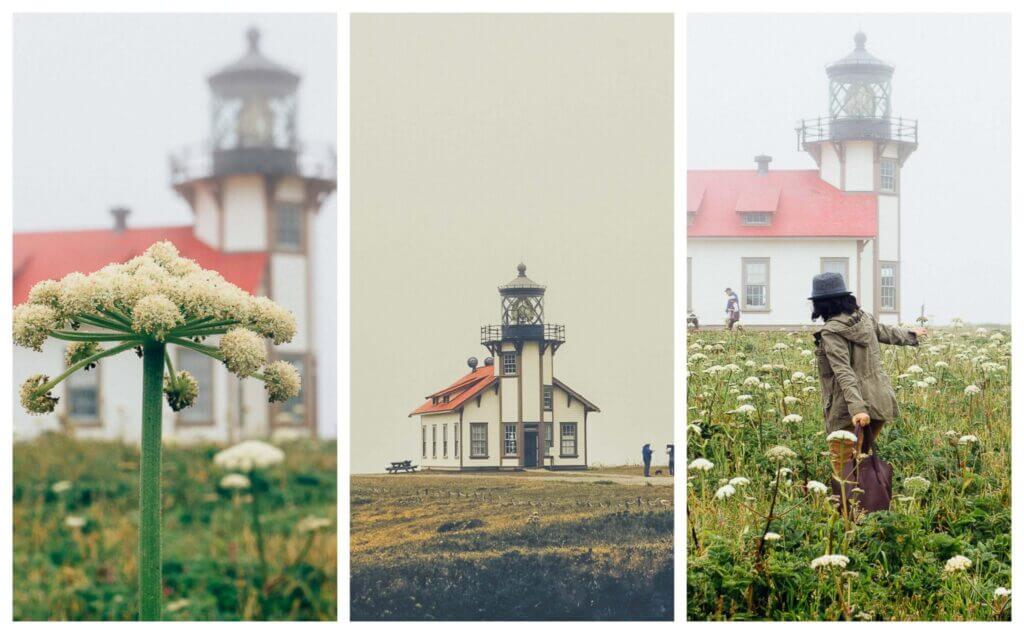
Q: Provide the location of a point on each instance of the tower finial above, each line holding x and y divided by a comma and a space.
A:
253, 35
860, 39
522, 269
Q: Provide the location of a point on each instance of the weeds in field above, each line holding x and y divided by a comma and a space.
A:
776, 545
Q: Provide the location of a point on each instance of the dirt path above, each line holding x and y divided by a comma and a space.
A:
566, 476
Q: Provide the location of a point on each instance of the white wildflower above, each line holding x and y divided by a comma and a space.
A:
790, 400
282, 381
725, 491
32, 324
244, 351
841, 435
311, 524
971, 389
779, 452
700, 464
772, 537
916, 484
74, 521
249, 455
816, 487
793, 418
968, 439
60, 487
1001, 592
826, 561
155, 315
235, 481
957, 563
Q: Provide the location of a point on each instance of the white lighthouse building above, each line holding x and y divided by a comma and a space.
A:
765, 233
513, 412
253, 189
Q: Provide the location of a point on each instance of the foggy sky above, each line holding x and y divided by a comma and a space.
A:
100, 101
751, 77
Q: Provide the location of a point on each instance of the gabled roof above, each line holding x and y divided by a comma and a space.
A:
458, 392
803, 204
587, 405
54, 254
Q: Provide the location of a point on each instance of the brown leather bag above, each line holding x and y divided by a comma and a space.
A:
868, 483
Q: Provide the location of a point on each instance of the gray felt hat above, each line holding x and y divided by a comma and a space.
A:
828, 285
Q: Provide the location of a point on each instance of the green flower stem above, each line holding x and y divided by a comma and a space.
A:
67, 335
203, 333
52, 383
150, 583
117, 316
100, 322
203, 324
209, 351
258, 529
170, 366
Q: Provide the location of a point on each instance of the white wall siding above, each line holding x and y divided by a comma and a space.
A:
860, 166
568, 411
831, 168
207, 227
245, 213
288, 285
888, 227
717, 264
866, 298
531, 377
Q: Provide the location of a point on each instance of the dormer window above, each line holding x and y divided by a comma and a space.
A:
756, 218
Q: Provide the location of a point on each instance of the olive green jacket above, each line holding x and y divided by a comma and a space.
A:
850, 369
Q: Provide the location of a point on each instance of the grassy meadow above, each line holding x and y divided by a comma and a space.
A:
756, 523
76, 527
509, 547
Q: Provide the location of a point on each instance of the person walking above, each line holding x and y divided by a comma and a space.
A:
646, 452
671, 450
732, 308
856, 394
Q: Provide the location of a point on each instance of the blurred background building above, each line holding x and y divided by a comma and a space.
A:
254, 189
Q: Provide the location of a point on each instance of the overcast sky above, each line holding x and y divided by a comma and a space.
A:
751, 77
100, 101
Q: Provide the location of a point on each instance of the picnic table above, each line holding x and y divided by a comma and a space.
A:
403, 465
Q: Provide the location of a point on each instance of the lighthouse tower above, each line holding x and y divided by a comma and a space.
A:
861, 147
253, 187
524, 347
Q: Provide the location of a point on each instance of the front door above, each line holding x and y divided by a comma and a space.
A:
530, 449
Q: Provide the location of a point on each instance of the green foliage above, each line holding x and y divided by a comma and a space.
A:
210, 566
897, 557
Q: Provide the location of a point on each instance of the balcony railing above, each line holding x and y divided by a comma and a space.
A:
552, 333
849, 128
194, 162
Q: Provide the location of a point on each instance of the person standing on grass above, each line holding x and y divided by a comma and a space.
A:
671, 451
732, 308
646, 452
855, 391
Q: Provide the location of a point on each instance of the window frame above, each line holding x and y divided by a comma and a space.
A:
433, 441
563, 437
895, 286
549, 436
504, 363
744, 306
444, 440
507, 440
747, 218
276, 224
456, 437
473, 453
181, 418
548, 398
97, 419
846, 264
424, 427
882, 189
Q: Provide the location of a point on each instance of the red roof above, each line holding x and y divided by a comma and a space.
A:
459, 392
54, 254
803, 205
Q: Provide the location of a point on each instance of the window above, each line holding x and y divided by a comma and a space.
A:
569, 440
288, 227
511, 448
458, 435
508, 363
444, 439
549, 434
433, 441
83, 395
756, 218
889, 274
424, 428
549, 398
478, 440
200, 367
887, 175
755, 284
293, 411
837, 265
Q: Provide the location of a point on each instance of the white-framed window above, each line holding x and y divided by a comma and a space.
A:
83, 395
568, 438
887, 175
756, 218
756, 281
444, 440
288, 226
200, 367
458, 436
549, 398
511, 446
509, 367
424, 429
478, 440
837, 265
888, 280
433, 441
549, 435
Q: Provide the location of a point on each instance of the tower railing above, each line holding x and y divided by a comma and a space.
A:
868, 128
196, 161
494, 333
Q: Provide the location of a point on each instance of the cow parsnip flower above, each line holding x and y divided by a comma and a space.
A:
772, 537
35, 401
725, 491
249, 455
181, 390
311, 524
243, 351
235, 481
828, 561
841, 435
779, 453
32, 324
816, 487
282, 381
957, 563
701, 464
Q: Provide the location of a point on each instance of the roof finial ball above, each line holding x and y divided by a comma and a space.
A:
253, 35
860, 39
522, 269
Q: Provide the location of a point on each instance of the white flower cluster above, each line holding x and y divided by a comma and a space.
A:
816, 487
701, 464
311, 524
825, 561
249, 455
235, 481
916, 484
779, 453
725, 491
841, 435
282, 381
957, 563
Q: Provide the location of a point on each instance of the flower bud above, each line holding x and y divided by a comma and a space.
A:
31, 400
244, 352
282, 381
79, 351
181, 391
32, 324
271, 320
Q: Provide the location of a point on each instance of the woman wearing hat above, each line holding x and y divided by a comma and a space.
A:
855, 391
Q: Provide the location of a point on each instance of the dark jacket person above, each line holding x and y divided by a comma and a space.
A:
855, 391
646, 453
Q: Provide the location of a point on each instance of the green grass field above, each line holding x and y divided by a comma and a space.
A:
75, 544
950, 452
512, 547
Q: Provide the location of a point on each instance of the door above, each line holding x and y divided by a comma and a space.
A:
530, 449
